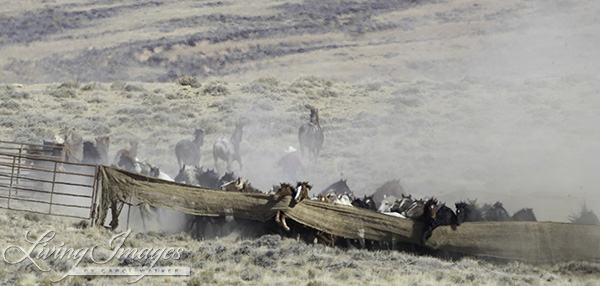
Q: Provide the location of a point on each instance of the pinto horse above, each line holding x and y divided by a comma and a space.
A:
298, 194
310, 134
228, 149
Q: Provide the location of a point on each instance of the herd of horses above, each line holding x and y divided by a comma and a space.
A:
389, 199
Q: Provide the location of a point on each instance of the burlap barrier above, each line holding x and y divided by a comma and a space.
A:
526, 241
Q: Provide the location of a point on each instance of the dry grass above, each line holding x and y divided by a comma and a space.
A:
273, 260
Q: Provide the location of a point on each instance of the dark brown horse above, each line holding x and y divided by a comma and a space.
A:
228, 149
188, 151
435, 215
96, 154
310, 135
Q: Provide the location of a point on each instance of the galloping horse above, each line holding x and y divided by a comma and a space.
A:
228, 149
298, 194
188, 152
310, 134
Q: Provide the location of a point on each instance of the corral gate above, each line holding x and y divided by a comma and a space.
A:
33, 178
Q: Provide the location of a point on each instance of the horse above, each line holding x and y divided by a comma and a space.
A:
302, 189
132, 151
343, 200
157, 173
96, 154
496, 213
209, 179
525, 214
133, 165
310, 135
233, 186
370, 202
402, 204
130, 163
385, 205
435, 215
415, 210
585, 216
189, 175
228, 149
390, 189
284, 191
188, 151
73, 146
340, 187
360, 203
226, 178
322, 198
466, 212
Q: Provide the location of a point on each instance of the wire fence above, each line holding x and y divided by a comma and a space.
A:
35, 178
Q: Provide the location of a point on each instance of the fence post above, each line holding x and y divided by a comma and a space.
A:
95, 191
10, 187
19, 169
53, 184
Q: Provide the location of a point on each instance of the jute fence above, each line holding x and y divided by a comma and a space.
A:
538, 242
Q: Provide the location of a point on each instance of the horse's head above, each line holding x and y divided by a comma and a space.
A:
284, 191
126, 161
404, 202
302, 189
460, 212
233, 186
368, 200
431, 208
199, 136
154, 171
323, 198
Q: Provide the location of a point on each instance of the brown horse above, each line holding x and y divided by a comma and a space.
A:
188, 151
302, 189
284, 191
310, 134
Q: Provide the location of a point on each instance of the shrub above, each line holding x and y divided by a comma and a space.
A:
190, 81
63, 92
216, 89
